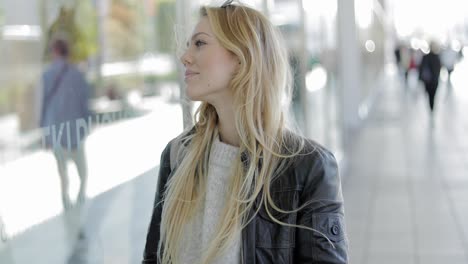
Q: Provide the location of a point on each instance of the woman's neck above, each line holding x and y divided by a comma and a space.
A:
226, 125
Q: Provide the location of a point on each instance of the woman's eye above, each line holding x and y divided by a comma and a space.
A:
199, 43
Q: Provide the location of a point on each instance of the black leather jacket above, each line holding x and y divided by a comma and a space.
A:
312, 176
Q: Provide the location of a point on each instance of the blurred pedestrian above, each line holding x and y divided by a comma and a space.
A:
400, 60
397, 54
405, 62
449, 57
63, 115
429, 71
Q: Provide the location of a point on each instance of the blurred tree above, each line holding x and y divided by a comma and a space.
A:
165, 21
122, 29
86, 22
77, 25
2, 16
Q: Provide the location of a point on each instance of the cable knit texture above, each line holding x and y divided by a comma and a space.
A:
200, 230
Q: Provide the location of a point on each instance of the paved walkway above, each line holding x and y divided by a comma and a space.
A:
406, 192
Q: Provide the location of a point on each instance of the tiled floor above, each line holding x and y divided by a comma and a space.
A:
406, 192
406, 195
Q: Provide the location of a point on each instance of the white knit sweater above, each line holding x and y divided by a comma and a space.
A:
199, 232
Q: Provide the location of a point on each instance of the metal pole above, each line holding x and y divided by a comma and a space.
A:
349, 65
303, 68
102, 6
183, 20
266, 6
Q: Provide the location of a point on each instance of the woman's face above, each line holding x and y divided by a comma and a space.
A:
209, 67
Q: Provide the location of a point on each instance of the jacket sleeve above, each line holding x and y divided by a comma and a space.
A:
153, 236
324, 212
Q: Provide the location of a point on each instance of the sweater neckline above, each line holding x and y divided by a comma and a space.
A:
221, 153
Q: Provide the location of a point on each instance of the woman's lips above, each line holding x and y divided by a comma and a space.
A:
189, 74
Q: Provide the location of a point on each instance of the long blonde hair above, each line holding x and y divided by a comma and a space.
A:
260, 88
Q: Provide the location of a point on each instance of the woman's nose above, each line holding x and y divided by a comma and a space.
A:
186, 58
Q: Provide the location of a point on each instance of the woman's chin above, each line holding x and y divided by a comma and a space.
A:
193, 96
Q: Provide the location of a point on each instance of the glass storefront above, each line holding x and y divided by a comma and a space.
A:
124, 50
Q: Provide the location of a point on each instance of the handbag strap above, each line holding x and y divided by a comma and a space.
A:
54, 89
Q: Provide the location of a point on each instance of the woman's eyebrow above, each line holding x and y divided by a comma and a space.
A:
200, 33
197, 34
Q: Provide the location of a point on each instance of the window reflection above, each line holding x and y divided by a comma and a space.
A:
124, 52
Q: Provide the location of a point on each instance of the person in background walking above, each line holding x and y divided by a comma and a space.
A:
449, 58
429, 71
64, 104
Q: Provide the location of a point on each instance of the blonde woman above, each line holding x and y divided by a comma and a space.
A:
239, 187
